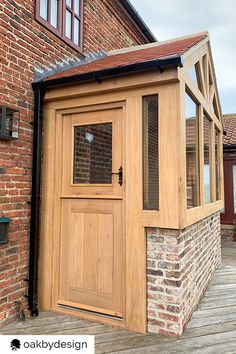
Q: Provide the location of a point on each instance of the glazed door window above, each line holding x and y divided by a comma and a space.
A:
93, 154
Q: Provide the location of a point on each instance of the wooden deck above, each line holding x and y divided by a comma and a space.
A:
211, 330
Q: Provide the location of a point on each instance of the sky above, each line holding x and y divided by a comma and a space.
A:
175, 18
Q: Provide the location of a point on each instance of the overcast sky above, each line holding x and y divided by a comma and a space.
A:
174, 18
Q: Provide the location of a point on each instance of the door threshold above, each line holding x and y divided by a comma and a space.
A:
117, 318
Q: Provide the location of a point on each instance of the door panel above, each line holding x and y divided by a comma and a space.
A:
91, 257
91, 254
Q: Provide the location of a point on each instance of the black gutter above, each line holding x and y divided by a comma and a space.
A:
39, 90
138, 20
35, 203
120, 70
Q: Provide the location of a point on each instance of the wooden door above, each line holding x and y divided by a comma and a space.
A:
91, 247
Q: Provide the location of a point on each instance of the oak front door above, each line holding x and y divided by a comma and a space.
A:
91, 173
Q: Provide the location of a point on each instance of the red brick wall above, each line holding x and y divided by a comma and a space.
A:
112, 29
26, 45
180, 265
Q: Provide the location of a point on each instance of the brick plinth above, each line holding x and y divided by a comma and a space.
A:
180, 265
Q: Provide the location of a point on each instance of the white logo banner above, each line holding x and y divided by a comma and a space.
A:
46, 344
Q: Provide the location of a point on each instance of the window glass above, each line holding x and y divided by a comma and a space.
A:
215, 107
234, 187
76, 31
44, 9
54, 13
193, 75
192, 152
150, 153
93, 154
217, 164
68, 24
207, 172
69, 3
77, 7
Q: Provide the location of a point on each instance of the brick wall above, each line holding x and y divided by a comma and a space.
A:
25, 46
180, 265
107, 26
227, 234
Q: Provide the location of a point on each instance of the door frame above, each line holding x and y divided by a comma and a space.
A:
228, 216
67, 191
135, 317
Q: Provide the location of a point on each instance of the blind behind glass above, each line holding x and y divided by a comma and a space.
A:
150, 153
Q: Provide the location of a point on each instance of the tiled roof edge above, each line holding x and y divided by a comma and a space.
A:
65, 64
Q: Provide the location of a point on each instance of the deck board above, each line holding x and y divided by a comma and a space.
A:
212, 328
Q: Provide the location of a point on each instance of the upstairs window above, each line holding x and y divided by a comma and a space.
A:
62, 17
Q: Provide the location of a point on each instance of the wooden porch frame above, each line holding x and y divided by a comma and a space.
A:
170, 87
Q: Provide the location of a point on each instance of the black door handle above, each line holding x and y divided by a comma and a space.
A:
120, 175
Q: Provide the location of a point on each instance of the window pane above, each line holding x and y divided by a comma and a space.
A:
68, 24
44, 9
192, 155
54, 13
193, 75
150, 153
234, 187
215, 107
93, 154
76, 31
68, 3
217, 164
77, 7
207, 173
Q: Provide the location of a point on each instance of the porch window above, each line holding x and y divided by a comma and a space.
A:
207, 164
150, 153
192, 152
217, 163
62, 17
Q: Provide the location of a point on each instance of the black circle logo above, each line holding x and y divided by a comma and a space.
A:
15, 344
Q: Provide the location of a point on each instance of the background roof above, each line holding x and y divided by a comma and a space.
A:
230, 129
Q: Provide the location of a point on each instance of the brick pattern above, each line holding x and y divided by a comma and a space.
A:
25, 46
226, 234
180, 265
107, 26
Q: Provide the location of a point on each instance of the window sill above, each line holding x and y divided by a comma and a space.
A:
196, 214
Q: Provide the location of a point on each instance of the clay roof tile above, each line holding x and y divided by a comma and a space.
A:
144, 54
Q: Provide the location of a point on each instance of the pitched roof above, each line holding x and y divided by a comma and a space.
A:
137, 55
230, 129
